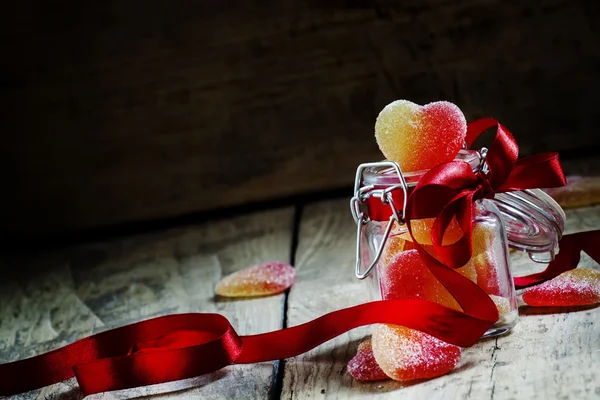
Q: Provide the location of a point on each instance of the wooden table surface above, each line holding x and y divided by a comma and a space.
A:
56, 298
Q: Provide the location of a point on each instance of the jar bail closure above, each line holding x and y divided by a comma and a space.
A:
359, 210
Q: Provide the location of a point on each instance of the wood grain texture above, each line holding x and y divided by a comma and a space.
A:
58, 298
117, 112
551, 353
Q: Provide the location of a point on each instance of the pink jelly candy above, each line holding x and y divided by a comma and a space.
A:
578, 287
260, 280
407, 277
420, 137
363, 366
405, 354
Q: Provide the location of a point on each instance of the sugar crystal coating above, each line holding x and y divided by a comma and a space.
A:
502, 304
482, 238
578, 287
363, 366
260, 280
405, 354
394, 244
421, 231
407, 277
485, 267
420, 137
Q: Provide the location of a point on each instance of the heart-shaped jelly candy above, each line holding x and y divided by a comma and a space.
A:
578, 287
405, 354
363, 366
260, 280
420, 137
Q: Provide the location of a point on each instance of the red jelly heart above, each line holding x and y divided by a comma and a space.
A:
260, 280
420, 137
363, 366
405, 354
578, 287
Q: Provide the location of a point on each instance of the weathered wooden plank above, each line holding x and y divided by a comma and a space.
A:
56, 299
117, 112
551, 353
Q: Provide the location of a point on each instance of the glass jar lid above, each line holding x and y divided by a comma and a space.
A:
534, 222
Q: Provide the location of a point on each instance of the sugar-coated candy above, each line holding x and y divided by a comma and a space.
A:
405, 354
482, 238
407, 277
394, 244
420, 137
486, 271
421, 231
502, 304
468, 271
363, 366
260, 280
578, 287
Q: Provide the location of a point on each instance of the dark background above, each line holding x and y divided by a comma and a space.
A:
116, 113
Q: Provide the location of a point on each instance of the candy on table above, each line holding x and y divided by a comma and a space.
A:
405, 354
420, 137
578, 287
502, 304
260, 280
407, 277
363, 366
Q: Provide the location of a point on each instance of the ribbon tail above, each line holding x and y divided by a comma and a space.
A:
180, 346
537, 171
567, 259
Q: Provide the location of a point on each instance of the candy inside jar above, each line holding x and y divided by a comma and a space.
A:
388, 255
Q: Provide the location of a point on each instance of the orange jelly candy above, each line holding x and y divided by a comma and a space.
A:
394, 244
420, 137
260, 280
482, 238
405, 354
363, 366
421, 230
578, 287
407, 277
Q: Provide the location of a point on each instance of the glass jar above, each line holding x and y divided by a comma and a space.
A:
526, 220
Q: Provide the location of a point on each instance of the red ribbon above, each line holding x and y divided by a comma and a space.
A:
181, 346
448, 191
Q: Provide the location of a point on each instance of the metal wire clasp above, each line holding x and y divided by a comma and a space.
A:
360, 214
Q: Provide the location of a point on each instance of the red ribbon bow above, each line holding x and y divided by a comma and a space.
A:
181, 346
449, 190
